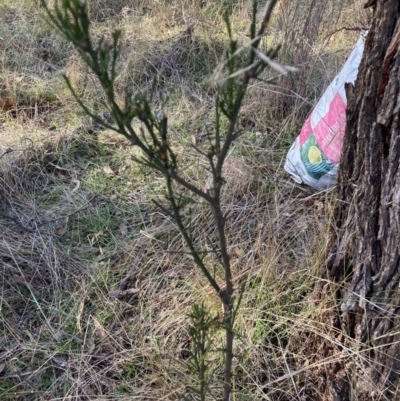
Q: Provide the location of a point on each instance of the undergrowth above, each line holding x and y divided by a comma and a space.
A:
93, 303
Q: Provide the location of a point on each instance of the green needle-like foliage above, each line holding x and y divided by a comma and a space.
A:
70, 18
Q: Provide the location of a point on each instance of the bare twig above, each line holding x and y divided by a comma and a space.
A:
44, 222
344, 28
7, 152
18, 223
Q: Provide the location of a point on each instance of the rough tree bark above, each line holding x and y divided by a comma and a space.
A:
364, 250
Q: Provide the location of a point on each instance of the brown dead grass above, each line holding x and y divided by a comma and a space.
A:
104, 307
95, 290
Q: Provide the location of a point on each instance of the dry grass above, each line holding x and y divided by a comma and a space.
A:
99, 301
94, 295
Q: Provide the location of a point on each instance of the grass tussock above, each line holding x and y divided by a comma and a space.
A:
95, 286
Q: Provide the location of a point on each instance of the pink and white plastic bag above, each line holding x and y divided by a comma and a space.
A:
314, 157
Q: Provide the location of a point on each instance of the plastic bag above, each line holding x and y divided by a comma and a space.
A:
314, 157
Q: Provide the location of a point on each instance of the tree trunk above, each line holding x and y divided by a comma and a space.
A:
363, 263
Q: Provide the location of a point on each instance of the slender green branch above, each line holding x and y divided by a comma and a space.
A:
189, 243
71, 19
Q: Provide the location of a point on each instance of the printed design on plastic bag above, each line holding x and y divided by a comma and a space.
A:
329, 132
314, 159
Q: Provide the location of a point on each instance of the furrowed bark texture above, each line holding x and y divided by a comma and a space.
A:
364, 252
352, 343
